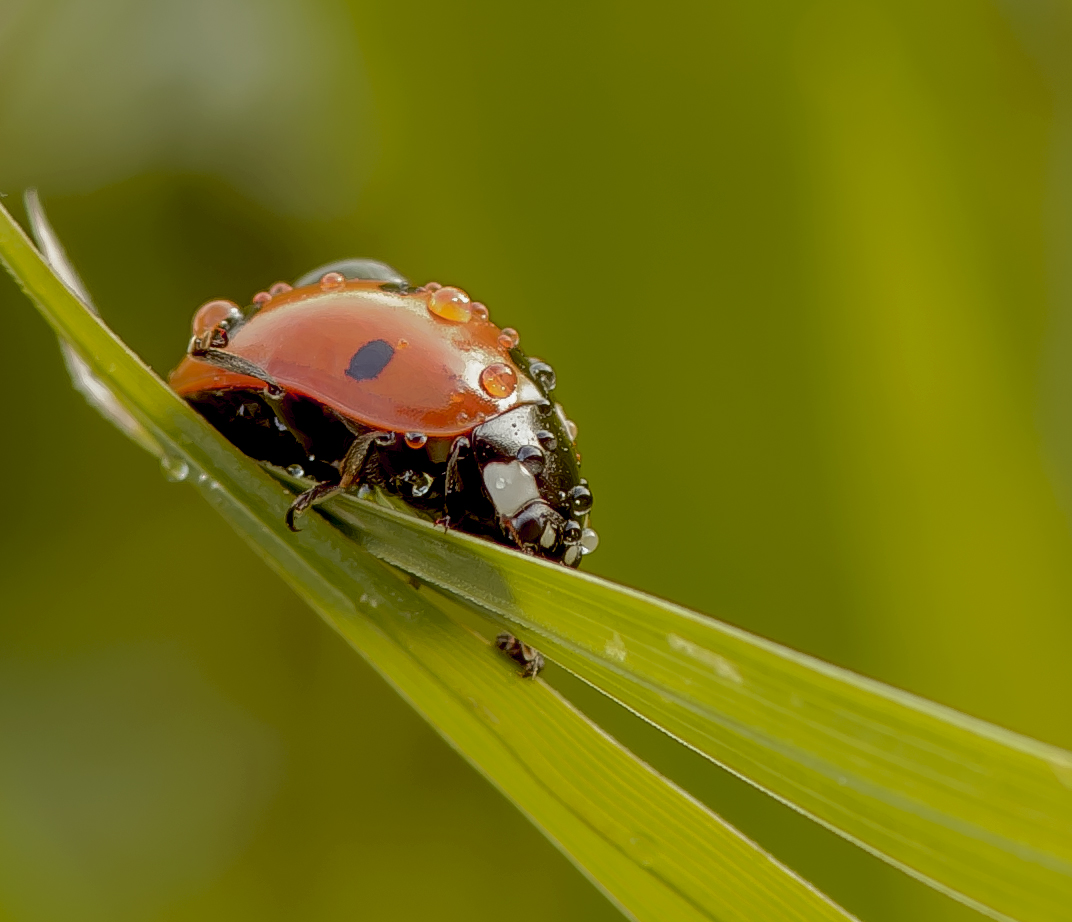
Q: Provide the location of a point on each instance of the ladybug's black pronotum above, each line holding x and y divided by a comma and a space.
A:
357, 377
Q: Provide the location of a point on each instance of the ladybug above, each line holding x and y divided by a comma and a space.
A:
358, 378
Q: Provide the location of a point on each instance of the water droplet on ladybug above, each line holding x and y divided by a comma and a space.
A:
572, 531
547, 440
420, 484
212, 313
544, 375
544, 408
296, 470
386, 439
280, 288
571, 428
431, 286
450, 304
509, 338
416, 439
402, 344
262, 297
480, 311
580, 499
498, 380
589, 541
331, 281
531, 457
175, 470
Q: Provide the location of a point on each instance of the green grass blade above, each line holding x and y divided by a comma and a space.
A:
976, 811
654, 851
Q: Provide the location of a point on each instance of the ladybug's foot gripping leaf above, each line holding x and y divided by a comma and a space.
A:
350, 469
310, 497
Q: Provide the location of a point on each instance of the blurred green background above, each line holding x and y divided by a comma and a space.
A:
805, 273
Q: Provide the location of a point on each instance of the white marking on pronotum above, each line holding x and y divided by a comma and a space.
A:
511, 486
724, 669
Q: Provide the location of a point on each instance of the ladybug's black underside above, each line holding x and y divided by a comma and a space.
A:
297, 431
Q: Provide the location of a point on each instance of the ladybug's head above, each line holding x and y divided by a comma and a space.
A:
528, 463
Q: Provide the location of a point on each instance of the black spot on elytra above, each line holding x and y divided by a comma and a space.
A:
370, 360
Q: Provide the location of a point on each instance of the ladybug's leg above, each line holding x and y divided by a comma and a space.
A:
453, 483
351, 470
234, 363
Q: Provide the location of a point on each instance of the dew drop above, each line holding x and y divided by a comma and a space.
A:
175, 470
296, 470
531, 457
419, 484
450, 304
589, 541
547, 440
212, 313
331, 281
571, 532
479, 310
509, 338
416, 439
580, 499
262, 298
571, 428
279, 288
498, 380
432, 286
544, 375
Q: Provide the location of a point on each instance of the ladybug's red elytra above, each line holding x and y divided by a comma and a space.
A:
359, 378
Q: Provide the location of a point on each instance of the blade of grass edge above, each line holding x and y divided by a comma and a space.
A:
657, 853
